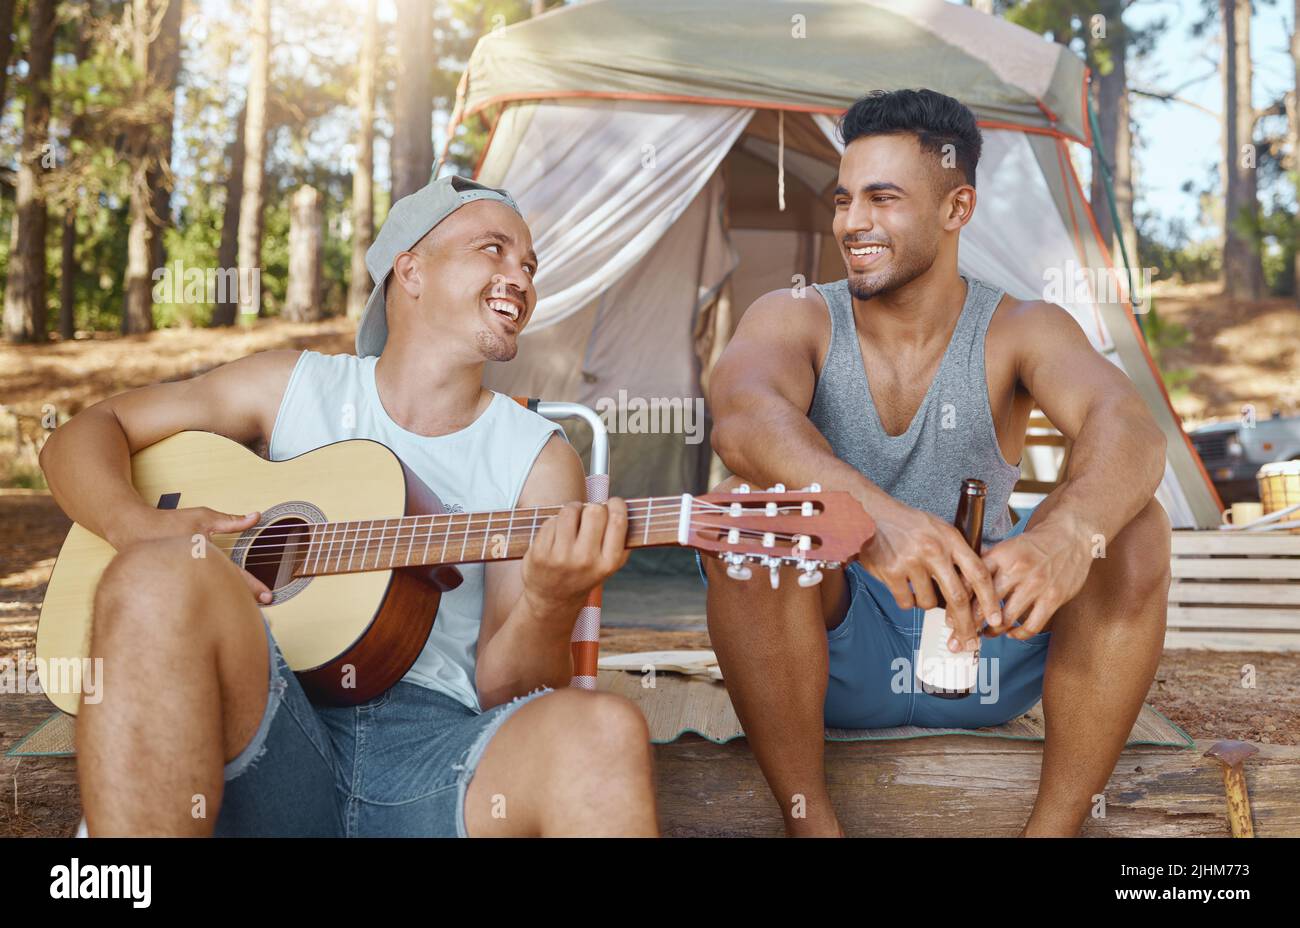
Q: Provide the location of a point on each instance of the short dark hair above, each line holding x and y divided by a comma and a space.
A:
935, 119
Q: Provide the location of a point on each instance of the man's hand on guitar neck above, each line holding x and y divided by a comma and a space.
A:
573, 552
147, 524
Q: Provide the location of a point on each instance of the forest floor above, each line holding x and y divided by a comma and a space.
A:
1234, 355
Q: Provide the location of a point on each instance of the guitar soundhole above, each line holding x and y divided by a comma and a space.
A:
276, 550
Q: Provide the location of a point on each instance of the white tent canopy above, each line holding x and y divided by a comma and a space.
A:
658, 221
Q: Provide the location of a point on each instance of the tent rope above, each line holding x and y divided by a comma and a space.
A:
780, 160
1114, 210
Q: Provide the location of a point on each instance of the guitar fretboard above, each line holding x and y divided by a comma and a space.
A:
455, 538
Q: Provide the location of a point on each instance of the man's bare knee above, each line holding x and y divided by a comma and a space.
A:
1141, 569
158, 587
599, 726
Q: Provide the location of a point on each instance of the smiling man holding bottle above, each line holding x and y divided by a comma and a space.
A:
897, 384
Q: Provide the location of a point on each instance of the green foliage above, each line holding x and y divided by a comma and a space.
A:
96, 99
1161, 336
1174, 255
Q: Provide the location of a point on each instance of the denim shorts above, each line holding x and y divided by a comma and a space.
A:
872, 683
396, 766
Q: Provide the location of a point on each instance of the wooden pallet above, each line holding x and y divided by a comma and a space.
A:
1234, 591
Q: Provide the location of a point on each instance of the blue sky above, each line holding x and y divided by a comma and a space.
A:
1182, 143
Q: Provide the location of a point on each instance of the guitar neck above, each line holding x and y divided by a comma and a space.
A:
458, 538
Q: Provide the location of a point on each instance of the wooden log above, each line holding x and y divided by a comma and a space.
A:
960, 785
923, 787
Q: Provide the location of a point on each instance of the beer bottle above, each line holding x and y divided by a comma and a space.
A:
939, 671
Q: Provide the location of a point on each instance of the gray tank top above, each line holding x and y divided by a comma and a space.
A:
950, 438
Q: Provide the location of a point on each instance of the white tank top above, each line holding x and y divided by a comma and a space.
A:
483, 466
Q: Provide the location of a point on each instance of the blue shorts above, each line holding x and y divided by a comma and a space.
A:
398, 765
872, 681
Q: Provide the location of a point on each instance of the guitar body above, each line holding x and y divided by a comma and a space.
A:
348, 636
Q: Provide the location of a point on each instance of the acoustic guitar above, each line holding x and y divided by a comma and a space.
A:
357, 551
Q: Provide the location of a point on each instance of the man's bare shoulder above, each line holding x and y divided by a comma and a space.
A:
556, 476
1021, 322
794, 318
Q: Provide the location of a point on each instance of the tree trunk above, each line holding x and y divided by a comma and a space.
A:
303, 294
24, 312
156, 55
137, 307
363, 176
68, 276
1293, 130
250, 207
984, 6
228, 251
1241, 265
6, 44
68, 267
165, 67
1246, 136
413, 128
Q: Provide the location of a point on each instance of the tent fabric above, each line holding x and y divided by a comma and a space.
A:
809, 54
645, 271
601, 185
658, 428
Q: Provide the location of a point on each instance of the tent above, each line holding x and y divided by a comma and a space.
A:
674, 162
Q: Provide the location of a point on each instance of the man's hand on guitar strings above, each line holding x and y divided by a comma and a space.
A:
573, 552
199, 520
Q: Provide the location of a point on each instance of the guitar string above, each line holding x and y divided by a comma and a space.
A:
401, 533
669, 504
663, 521
658, 517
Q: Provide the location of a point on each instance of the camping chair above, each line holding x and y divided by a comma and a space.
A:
585, 643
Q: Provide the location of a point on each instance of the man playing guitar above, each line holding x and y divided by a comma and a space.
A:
202, 728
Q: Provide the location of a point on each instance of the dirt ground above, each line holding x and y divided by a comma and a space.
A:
1237, 353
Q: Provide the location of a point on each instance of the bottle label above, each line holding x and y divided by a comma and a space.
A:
936, 666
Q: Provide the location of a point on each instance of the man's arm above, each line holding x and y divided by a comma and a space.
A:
761, 390
87, 460
529, 606
1116, 462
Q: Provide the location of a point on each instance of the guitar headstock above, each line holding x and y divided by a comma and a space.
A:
808, 529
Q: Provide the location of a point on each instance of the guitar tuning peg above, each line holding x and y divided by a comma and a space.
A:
810, 578
812, 488
739, 572
777, 488
774, 575
743, 488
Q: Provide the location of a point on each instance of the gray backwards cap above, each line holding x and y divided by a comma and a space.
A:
408, 221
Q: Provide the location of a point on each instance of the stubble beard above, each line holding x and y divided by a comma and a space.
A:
493, 347
868, 286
